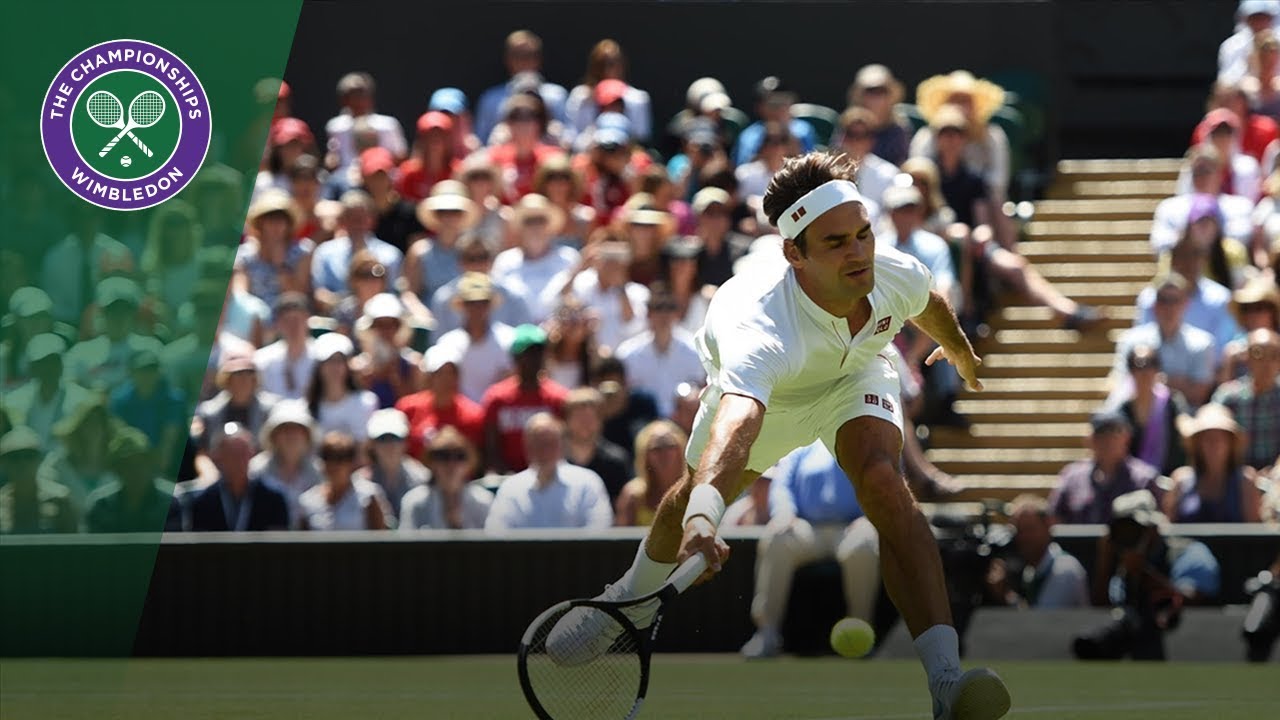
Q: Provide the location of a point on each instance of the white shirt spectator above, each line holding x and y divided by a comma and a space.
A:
611, 330
753, 179
483, 363
351, 512
280, 377
576, 498
63, 264
530, 278
1171, 219
340, 130
875, 175
349, 415
423, 508
660, 373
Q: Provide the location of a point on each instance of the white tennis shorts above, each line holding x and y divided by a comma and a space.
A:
875, 392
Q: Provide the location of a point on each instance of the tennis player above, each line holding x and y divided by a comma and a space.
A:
795, 354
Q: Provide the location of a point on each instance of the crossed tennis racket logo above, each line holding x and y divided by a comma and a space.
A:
145, 110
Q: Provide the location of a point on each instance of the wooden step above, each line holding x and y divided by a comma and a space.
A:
1158, 168
1088, 229
1040, 384
982, 410
1044, 341
1115, 251
1006, 461
1039, 313
1122, 292
1004, 487
1131, 189
1037, 365
1099, 271
1096, 209
980, 431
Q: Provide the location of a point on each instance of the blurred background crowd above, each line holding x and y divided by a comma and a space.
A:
485, 319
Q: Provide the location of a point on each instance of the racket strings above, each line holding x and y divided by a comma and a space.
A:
146, 109
595, 685
104, 109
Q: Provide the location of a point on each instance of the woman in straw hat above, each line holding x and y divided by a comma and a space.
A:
876, 89
1255, 306
987, 148
270, 262
433, 261
1215, 486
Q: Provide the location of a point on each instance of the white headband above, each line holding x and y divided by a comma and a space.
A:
814, 203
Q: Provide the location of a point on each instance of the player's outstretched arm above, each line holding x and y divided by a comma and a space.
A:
724, 461
938, 321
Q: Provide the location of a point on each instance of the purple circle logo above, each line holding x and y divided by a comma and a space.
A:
125, 124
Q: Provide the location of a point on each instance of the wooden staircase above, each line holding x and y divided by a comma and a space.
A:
1089, 238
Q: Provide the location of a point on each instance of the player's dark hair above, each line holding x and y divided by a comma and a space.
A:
800, 175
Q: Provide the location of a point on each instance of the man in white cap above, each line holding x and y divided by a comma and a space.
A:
794, 356
1254, 16
391, 468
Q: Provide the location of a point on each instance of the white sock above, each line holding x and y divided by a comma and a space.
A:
939, 651
645, 574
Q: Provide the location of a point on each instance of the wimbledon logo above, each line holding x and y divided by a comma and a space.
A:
125, 124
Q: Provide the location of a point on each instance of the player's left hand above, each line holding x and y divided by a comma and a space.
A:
966, 364
700, 537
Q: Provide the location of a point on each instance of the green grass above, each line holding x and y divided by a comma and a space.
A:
703, 687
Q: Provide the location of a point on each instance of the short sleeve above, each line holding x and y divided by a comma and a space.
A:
917, 281
751, 362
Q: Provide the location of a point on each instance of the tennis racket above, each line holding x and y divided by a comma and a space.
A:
586, 676
145, 110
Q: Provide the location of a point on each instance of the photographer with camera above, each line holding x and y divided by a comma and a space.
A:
1041, 574
1147, 578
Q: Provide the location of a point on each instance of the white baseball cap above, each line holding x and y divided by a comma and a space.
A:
437, 356
388, 421
383, 305
330, 344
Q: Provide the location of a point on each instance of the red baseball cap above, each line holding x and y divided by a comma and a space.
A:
376, 159
435, 120
1221, 116
609, 91
289, 129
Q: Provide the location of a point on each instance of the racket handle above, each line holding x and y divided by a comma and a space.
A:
103, 152
690, 570
141, 145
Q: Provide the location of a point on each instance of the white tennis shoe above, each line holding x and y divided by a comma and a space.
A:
585, 633
979, 694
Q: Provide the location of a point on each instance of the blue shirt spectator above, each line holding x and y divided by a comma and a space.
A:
523, 57
1209, 310
750, 140
809, 484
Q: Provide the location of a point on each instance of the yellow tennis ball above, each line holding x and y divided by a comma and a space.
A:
852, 637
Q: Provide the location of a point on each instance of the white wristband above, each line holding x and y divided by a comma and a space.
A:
706, 501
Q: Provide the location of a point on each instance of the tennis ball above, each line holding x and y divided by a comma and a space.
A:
126, 161
852, 638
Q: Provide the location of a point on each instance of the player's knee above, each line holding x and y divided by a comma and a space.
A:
882, 493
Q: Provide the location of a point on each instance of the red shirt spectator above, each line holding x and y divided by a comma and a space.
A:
433, 158
509, 403
1256, 133
441, 404
520, 158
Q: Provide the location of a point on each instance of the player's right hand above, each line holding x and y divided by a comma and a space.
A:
700, 537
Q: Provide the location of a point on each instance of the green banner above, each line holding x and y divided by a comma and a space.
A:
132, 136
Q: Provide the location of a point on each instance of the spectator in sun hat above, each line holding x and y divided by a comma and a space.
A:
721, 244
1255, 306
453, 102
333, 397
646, 225
522, 54
773, 104
450, 501
1188, 354
240, 399
1255, 398
288, 460
519, 158
270, 261
528, 268
30, 314
509, 403
432, 262
1153, 409
285, 365
386, 365
476, 255
440, 404
1252, 18
390, 467
1241, 175
356, 98
604, 88
879, 92
562, 186
28, 504
138, 500
331, 260
102, 362
395, 219
149, 403
1216, 485
481, 343
1086, 488
47, 397
986, 151
433, 158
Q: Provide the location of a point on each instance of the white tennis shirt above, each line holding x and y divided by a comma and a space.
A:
766, 339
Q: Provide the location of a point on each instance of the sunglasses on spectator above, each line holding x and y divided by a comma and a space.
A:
1168, 298
451, 454
856, 134
611, 147
876, 90
376, 271
774, 140
345, 457
951, 129
664, 307
1264, 352
533, 220
1253, 307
